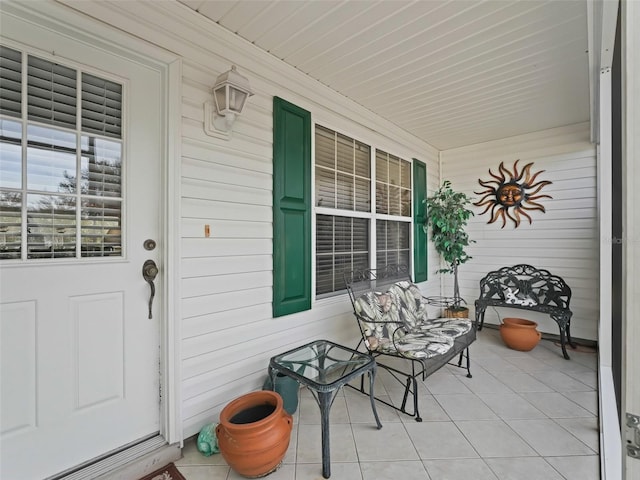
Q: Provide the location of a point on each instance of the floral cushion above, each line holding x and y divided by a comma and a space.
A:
396, 322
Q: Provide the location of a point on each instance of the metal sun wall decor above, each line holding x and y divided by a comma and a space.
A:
509, 195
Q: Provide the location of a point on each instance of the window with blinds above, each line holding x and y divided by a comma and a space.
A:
347, 218
60, 160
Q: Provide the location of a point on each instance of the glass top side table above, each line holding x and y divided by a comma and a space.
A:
323, 367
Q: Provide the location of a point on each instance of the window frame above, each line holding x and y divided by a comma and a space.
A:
376, 143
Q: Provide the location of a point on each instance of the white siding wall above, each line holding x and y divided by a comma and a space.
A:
563, 240
226, 286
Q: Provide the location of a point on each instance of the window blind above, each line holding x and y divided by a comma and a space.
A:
101, 106
51, 92
342, 244
10, 82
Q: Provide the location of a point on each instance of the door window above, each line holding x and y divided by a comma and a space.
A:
61, 157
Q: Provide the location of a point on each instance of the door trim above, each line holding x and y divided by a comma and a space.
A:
171, 330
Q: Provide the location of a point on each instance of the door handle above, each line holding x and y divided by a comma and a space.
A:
149, 273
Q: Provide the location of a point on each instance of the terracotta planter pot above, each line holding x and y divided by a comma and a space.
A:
520, 334
254, 432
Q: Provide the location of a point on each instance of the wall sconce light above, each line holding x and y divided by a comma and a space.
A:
230, 94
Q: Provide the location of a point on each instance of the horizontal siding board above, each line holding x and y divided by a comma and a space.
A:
206, 190
550, 205
559, 267
198, 286
581, 287
513, 254
219, 302
570, 194
198, 208
194, 228
257, 349
511, 235
198, 411
231, 176
232, 339
537, 216
195, 267
216, 247
209, 385
584, 175
261, 331
249, 324
248, 124
551, 246
198, 154
193, 130
569, 175
227, 319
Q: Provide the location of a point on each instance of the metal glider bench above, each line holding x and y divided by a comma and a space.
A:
391, 313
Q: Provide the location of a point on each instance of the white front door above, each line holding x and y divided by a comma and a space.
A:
80, 355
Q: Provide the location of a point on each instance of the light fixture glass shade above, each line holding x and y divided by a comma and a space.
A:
237, 98
220, 97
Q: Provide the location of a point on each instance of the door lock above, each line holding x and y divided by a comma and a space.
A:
149, 273
149, 244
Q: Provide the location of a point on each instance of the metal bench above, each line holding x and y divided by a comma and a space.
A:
392, 317
528, 288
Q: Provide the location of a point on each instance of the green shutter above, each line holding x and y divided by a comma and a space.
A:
291, 208
419, 208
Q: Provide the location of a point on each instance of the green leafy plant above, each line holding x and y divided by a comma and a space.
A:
447, 216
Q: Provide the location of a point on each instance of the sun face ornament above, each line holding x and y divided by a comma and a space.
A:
511, 193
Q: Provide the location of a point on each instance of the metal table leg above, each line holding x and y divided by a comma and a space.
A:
324, 401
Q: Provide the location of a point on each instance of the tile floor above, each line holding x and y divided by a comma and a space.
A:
523, 416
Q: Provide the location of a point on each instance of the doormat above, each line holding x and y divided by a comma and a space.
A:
170, 472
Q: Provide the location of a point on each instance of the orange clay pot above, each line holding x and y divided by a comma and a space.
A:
254, 432
519, 334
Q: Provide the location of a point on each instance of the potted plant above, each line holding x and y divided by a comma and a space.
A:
447, 216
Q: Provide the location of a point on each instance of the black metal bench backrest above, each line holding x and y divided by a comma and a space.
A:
526, 282
359, 282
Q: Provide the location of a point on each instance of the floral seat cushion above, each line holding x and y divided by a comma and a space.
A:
396, 322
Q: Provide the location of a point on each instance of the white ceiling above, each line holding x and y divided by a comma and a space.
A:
453, 72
